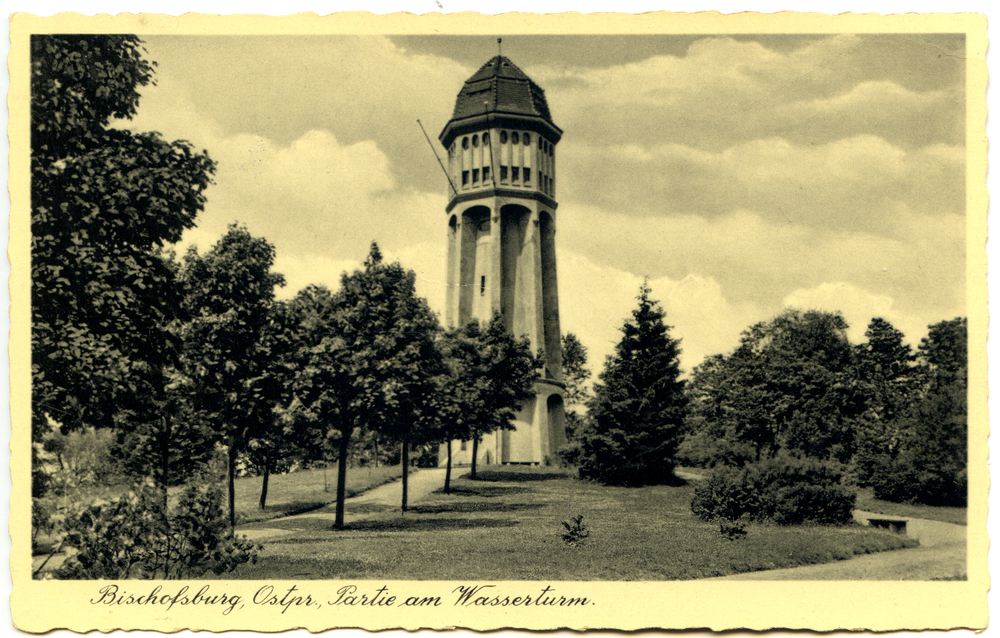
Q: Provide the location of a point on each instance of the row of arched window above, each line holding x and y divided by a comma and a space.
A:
517, 162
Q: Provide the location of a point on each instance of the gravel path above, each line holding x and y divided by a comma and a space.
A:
941, 555
378, 499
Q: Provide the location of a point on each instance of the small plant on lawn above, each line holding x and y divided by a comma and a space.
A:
576, 533
733, 530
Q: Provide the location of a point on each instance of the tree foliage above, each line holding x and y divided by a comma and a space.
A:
932, 463
786, 387
229, 298
492, 375
103, 202
638, 410
366, 357
575, 376
885, 375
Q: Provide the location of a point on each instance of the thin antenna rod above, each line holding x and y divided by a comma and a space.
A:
440, 163
499, 48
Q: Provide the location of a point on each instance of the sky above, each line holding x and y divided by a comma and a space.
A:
740, 174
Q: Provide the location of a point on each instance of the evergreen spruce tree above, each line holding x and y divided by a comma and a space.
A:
637, 413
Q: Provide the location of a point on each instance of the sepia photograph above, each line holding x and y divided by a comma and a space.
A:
394, 323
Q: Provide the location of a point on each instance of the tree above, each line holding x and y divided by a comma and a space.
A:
786, 387
932, 464
366, 357
230, 294
884, 374
638, 410
277, 443
506, 369
382, 308
103, 202
461, 350
575, 375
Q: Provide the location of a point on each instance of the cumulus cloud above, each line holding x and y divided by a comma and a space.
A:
723, 91
757, 260
853, 183
596, 300
858, 307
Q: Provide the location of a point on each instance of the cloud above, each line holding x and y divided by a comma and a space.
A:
595, 301
858, 306
279, 88
851, 184
722, 92
756, 260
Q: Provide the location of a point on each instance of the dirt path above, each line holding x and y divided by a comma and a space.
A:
941, 555
382, 498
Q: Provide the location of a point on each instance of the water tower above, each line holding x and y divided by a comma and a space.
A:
501, 146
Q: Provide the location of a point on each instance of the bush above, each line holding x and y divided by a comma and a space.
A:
137, 536
902, 482
702, 449
568, 455
784, 490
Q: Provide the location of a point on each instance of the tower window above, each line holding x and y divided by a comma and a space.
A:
514, 173
527, 174
463, 446
475, 141
503, 173
465, 178
503, 137
486, 173
544, 145
465, 142
475, 175
486, 139
527, 139
514, 138
551, 150
482, 285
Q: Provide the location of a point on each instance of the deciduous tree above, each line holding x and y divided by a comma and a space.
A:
103, 202
787, 386
229, 297
575, 376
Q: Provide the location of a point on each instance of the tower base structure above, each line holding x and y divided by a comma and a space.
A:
540, 429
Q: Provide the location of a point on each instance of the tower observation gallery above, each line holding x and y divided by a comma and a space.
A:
501, 146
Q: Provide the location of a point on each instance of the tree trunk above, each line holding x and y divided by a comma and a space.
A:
406, 470
232, 487
447, 472
376, 451
475, 453
263, 487
345, 441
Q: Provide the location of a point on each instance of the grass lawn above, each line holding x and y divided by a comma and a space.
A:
507, 526
303, 491
866, 501
287, 494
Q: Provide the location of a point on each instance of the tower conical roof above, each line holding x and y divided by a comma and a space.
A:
500, 87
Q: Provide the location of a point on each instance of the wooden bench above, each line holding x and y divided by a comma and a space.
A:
893, 524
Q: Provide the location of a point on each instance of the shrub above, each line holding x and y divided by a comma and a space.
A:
784, 490
901, 481
702, 449
136, 536
568, 455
